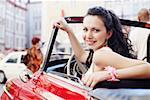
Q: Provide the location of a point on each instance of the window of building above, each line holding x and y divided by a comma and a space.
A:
17, 43
36, 26
22, 28
16, 27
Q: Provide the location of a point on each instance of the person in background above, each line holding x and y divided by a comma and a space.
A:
111, 57
139, 36
34, 57
126, 30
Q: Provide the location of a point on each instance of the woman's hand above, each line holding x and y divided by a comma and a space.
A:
62, 24
92, 79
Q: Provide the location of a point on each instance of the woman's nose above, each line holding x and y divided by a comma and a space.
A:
88, 34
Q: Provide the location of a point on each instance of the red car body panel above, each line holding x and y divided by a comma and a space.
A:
46, 87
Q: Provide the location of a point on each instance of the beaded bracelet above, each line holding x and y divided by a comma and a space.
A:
112, 72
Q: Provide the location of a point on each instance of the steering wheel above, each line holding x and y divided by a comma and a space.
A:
75, 67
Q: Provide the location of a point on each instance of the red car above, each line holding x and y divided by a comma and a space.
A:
59, 78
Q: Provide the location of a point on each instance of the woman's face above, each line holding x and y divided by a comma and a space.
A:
95, 33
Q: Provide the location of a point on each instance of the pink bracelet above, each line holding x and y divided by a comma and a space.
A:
112, 72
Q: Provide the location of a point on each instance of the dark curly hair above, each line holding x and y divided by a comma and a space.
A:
118, 42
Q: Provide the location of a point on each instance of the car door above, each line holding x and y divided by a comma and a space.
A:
12, 66
21, 66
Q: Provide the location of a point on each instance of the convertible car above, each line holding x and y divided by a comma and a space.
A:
59, 77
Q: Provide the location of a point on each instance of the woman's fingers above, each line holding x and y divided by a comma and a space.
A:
88, 80
93, 84
85, 79
61, 24
92, 79
56, 24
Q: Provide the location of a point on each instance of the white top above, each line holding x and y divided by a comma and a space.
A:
139, 38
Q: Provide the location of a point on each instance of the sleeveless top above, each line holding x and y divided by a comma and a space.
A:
89, 58
89, 63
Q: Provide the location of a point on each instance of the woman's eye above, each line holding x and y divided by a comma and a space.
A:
85, 29
96, 30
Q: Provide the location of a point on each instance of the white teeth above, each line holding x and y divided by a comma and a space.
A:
90, 43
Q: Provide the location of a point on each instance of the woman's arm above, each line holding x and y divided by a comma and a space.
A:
106, 57
126, 68
78, 50
135, 72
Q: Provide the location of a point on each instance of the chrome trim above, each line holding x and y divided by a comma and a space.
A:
4, 87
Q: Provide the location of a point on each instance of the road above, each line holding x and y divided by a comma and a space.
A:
1, 89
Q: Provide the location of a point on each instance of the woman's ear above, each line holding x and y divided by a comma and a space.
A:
109, 34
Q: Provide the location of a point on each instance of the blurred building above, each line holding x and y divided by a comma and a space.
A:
13, 21
20, 20
2, 24
126, 9
33, 21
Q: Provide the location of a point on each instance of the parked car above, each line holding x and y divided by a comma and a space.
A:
11, 66
59, 79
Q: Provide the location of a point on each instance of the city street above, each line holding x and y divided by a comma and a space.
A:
1, 89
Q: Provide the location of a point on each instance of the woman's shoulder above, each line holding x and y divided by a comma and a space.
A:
102, 53
106, 56
104, 49
107, 52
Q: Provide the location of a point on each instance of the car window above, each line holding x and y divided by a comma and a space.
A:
12, 59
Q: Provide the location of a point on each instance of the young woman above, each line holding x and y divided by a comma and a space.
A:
111, 59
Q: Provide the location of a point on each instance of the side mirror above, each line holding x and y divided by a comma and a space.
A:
26, 75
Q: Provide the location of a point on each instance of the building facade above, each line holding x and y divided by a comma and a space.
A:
20, 20
12, 25
33, 21
15, 29
2, 24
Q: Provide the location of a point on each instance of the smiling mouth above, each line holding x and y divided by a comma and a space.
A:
90, 42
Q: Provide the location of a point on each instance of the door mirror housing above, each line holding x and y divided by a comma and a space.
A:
26, 75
